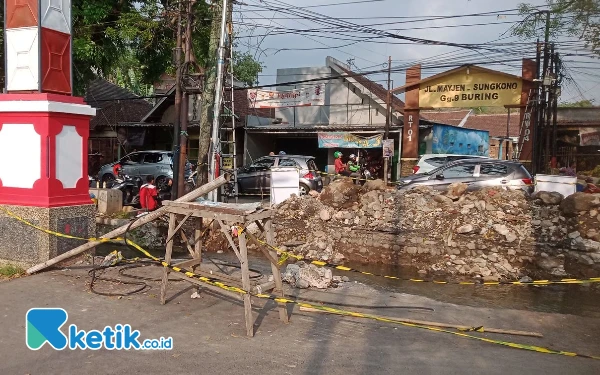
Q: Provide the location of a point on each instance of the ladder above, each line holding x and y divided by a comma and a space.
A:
525, 129
227, 139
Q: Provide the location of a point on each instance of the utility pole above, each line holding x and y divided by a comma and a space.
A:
388, 120
176, 126
543, 99
208, 95
185, 101
217, 102
556, 89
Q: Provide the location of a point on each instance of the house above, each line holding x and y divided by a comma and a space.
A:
350, 111
108, 141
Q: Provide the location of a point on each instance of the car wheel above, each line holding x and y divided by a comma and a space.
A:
304, 189
162, 183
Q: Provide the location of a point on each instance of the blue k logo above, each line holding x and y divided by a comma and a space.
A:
43, 325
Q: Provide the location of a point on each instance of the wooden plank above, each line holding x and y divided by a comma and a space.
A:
262, 248
283, 315
185, 240
207, 208
260, 215
225, 231
188, 263
436, 324
198, 239
168, 253
178, 227
195, 194
216, 289
246, 285
207, 215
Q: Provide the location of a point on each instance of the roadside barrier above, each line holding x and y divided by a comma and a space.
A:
286, 254
221, 285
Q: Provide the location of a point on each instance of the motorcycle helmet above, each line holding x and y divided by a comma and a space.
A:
337, 154
281, 152
352, 156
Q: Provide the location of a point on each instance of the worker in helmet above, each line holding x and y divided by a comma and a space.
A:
340, 167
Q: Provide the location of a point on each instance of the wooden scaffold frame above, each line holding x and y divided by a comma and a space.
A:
225, 216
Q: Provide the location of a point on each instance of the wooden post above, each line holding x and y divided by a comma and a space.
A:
246, 285
169, 252
283, 315
198, 239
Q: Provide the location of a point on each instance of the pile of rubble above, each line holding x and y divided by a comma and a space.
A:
490, 233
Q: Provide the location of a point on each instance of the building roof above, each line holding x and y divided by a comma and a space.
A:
495, 124
114, 104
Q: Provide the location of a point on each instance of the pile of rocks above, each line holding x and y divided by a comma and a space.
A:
302, 275
491, 233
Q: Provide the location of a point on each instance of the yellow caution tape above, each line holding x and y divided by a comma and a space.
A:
219, 284
286, 254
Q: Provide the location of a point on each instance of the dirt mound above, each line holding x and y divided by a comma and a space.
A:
341, 194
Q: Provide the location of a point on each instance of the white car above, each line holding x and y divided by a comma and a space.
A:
429, 162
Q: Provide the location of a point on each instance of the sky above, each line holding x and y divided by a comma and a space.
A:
258, 21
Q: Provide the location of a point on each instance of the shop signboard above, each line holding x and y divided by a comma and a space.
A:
589, 137
348, 140
454, 140
471, 87
388, 148
227, 163
305, 96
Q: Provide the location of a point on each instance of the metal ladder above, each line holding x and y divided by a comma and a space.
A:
227, 139
525, 130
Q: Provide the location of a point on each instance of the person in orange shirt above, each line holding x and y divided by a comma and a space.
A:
149, 195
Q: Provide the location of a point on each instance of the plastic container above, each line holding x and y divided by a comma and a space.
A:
566, 185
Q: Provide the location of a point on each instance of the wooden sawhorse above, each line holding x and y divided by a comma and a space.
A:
225, 215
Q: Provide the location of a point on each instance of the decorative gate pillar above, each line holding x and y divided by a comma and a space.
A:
44, 134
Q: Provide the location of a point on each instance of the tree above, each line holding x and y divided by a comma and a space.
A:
575, 18
130, 42
245, 68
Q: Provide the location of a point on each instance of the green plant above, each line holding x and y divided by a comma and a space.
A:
8, 270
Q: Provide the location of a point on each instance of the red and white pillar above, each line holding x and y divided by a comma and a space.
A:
43, 129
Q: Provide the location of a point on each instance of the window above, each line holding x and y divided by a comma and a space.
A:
134, 158
153, 158
459, 171
436, 162
312, 166
166, 158
263, 163
287, 163
493, 170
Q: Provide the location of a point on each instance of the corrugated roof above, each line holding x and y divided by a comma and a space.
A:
115, 104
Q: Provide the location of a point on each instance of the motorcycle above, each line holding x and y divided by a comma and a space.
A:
130, 187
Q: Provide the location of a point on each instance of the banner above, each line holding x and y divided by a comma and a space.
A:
306, 96
589, 137
388, 148
471, 88
347, 140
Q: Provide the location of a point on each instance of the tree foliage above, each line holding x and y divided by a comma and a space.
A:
574, 18
131, 42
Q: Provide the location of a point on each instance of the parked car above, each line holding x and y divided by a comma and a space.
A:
256, 177
476, 173
143, 163
429, 162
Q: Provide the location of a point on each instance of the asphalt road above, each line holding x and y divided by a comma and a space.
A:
209, 334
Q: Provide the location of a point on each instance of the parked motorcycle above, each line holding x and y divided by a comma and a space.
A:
130, 187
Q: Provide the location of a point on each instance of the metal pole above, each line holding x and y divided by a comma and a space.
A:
507, 134
537, 123
388, 100
176, 126
217, 104
548, 112
185, 105
554, 111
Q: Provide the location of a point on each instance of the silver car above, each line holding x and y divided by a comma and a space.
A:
429, 162
143, 163
476, 173
256, 177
